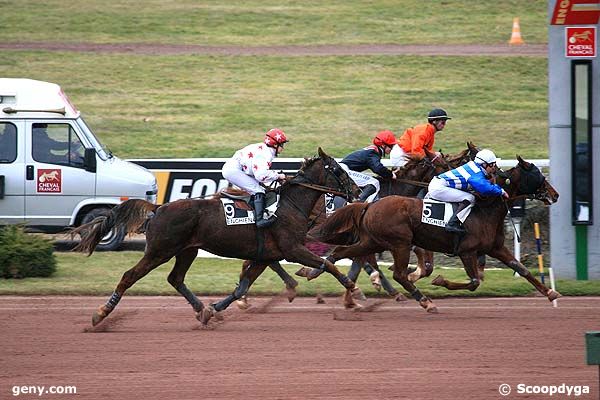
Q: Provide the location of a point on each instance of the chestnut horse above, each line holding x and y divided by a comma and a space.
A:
410, 180
180, 228
394, 224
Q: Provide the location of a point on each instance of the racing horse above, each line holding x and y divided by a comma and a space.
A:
394, 224
180, 228
409, 181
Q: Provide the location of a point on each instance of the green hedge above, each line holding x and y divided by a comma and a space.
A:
23, 255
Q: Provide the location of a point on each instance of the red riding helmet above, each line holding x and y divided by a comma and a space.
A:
275, 138
385, 138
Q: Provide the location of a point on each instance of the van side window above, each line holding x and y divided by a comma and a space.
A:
56, 144
8, 143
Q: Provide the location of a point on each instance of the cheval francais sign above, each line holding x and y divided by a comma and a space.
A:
49, 181
580, 41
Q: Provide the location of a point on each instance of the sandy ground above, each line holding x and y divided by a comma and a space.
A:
152, 348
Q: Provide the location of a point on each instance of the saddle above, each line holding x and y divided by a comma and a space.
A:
239, 209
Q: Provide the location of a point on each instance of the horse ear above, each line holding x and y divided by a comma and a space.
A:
322, 153
523, 163
471, 146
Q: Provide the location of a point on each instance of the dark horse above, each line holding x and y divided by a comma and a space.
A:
394, 224
410, 180
180, 228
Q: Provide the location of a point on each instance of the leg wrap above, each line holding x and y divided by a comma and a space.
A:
416, 294
354, 271
474, 284
242, 288
368, 268
519, 268
190, 297
113, 301
223, 304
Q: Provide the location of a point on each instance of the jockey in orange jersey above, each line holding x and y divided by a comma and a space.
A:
414, 140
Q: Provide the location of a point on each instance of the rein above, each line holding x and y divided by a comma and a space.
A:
320, 188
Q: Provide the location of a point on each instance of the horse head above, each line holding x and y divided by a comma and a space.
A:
324, 174
527, 179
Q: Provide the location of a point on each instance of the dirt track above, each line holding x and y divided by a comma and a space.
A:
534, 50
151, 348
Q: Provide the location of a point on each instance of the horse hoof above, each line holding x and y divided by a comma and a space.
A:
375, 280
413, 277
99, 316
320, 299
242, 303
438, 281
205, 315
358, 294
428, 305
553, 295
303, 272
314, 273
290, 293
400, 297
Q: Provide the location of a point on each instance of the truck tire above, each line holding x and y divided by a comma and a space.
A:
115, 237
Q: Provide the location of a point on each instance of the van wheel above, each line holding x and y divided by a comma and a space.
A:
113, 239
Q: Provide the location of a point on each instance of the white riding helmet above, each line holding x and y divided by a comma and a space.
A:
485, 156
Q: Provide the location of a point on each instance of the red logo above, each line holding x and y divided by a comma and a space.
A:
49, 181
580, 41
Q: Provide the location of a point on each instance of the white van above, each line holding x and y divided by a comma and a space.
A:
54, 173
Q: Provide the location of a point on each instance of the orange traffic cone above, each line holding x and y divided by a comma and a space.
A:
516, 38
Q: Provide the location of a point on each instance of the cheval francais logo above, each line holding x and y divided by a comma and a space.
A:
581, 41
49, 181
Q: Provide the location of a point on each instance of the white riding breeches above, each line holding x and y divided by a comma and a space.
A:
439, 190
363, 180
232, 171
398, 156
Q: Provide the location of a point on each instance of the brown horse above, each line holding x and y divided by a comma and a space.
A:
180, 228
394, 224
409, 182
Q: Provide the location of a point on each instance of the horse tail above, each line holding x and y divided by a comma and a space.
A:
128, 216
342, 227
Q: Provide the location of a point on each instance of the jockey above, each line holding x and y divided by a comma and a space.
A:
369, 158
250, 166
452, 186
414, 140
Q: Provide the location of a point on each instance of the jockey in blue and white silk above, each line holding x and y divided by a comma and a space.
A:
455, 186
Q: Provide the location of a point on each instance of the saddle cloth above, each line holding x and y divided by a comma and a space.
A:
438, 212
238, 209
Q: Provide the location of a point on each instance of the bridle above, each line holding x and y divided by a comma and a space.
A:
531, 183
330, 168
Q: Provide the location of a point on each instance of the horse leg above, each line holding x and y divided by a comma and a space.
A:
373, 272
131, 276
424, 264
242, 302
504, 255
182, 264
481, 265
290, 283
470, 263
306, 257
401, 254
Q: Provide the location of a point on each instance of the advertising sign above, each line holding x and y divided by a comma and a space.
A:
580, 41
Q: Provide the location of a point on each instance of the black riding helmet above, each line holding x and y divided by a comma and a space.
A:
437, 113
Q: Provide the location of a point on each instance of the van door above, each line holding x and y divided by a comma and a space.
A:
56, 181
12, 172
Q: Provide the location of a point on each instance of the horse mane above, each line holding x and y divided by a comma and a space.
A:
308, 162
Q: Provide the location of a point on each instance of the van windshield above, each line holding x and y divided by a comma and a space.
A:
102, 150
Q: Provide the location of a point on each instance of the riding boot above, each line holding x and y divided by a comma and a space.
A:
454, 225
366, 192
259, 210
